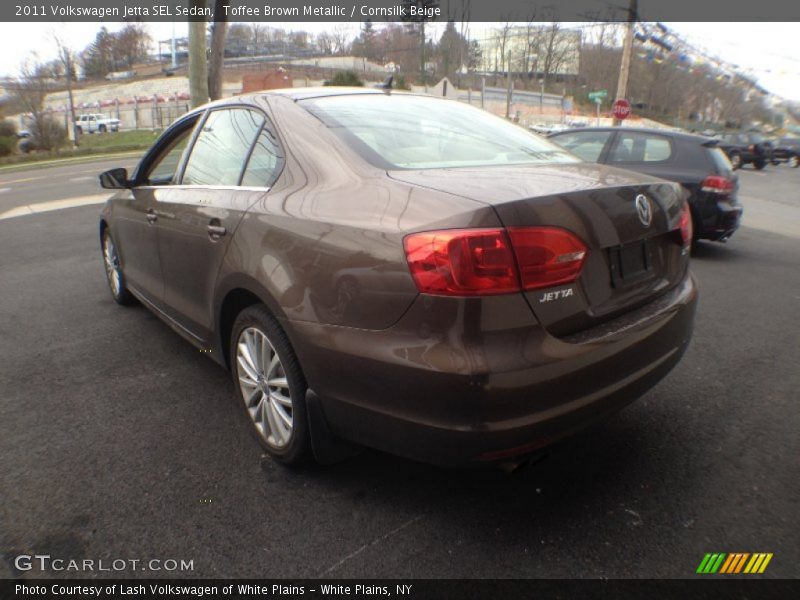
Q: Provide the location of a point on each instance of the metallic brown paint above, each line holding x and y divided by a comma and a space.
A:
446, 380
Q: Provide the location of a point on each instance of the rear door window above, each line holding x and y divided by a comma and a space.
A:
640, 147
219, 154
720, 159
265, 162
586, 144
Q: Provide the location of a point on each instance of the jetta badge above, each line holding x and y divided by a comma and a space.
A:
644, 210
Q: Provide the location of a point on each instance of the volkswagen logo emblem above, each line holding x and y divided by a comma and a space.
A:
644, 210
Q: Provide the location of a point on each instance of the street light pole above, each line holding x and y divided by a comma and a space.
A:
625, 67
541, 97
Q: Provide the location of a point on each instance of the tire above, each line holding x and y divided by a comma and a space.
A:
760, 164
736, 160
114, 275
794, 162
102, 129
260, 356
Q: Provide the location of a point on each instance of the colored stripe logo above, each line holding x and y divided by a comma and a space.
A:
734, 563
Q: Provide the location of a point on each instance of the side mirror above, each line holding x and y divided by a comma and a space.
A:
115, 179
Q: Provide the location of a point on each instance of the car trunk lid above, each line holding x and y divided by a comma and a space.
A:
629, 223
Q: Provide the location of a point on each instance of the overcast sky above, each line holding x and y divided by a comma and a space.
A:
768, 51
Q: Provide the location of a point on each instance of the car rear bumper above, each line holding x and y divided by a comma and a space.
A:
479, 380
724, 222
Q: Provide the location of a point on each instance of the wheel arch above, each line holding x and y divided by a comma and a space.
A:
238, 293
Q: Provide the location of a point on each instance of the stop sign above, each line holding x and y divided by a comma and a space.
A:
621, 109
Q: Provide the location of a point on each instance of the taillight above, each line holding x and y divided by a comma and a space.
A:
717, 185
685, 225
547, 256
473, 262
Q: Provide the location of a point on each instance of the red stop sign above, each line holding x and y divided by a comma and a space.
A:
621, 109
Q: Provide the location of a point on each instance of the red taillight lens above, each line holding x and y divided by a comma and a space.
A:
717, 185
462, 262
685, 225
547, 256
472, 262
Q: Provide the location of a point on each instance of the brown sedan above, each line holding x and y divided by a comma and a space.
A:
402, 272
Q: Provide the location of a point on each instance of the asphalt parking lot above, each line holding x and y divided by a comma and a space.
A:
120, 440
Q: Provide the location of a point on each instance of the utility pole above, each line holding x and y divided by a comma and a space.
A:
198, 61
509, 91
217, 59
65, 54
627, 47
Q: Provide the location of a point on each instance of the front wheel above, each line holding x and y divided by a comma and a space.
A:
114, 275
271, 386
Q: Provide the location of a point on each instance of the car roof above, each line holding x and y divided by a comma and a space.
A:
700, 139
305, 93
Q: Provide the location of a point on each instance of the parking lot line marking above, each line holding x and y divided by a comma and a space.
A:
21, 180
372, 543
29, 209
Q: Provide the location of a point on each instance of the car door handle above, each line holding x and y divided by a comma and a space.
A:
152, 217
216, 231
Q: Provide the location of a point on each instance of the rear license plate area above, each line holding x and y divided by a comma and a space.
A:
630, 263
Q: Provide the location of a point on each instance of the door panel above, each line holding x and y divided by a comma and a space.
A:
191, 248
137, 244
136, 218
198, 218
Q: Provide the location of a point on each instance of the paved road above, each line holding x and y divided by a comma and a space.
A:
56, 183
119, 440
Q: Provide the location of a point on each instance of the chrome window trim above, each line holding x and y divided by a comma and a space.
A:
205, 187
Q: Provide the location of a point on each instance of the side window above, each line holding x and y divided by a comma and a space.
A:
222, 147
162, 170
586, 144
640, 147
265, 162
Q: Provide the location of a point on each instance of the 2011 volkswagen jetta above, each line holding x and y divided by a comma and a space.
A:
403, 272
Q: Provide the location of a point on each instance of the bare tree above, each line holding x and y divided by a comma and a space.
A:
30, 90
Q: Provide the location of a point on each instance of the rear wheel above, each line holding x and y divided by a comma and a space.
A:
271, 386
736, 160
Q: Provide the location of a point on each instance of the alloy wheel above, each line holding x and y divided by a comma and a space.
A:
265, 387
111, 261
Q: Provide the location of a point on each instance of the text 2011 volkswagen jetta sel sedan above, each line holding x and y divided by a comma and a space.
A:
403, 272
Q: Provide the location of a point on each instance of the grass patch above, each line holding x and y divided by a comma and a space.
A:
91, 144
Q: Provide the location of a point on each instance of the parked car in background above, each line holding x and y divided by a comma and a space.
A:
786, 150
404, 272
546, 128
746, 148
96, 123
696, 162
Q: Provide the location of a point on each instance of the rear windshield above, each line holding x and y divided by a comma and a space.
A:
417, 132
721, 162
